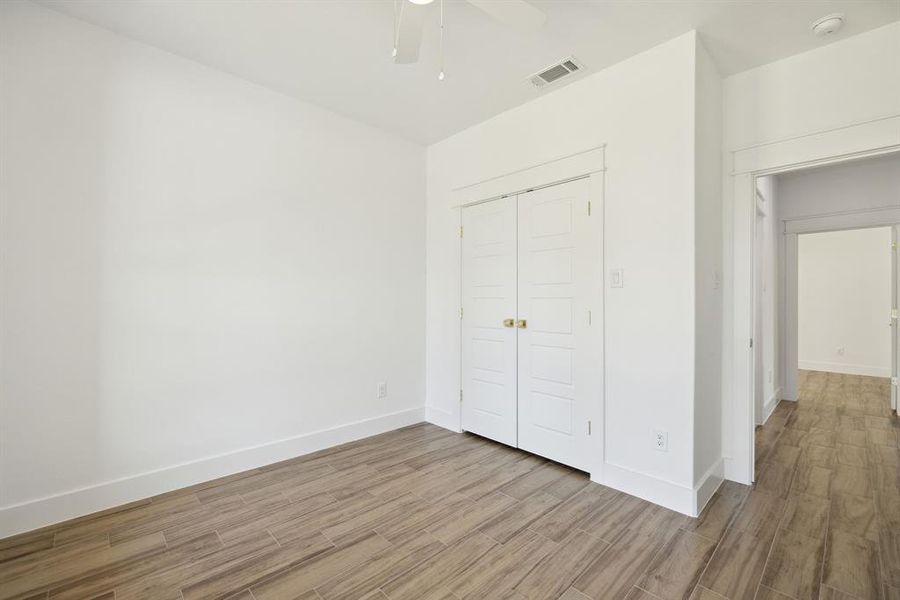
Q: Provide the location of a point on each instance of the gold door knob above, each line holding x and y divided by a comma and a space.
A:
522, 324
509, 322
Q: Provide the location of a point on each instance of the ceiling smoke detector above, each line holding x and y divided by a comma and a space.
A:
828, 24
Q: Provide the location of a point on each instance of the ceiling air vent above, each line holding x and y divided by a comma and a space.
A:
554, 73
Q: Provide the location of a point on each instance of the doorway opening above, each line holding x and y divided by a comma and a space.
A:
825, 334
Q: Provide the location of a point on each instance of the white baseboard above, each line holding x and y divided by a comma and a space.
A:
708, 485
868, 370
442, 418
769, 406
680, 498
736, 472
45, 511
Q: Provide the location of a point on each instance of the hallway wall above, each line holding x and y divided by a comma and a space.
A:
845, 301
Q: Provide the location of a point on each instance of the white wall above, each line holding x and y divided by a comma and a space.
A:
844, 83
865, 185
643, 109
845, 301
192, 266
708, 269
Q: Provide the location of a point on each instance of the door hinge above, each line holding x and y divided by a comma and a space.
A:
460, 231
589, 318
751, 342
589, 428
460, 313
589, 208
460, 396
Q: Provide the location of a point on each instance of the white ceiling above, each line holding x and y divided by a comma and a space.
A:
337, 53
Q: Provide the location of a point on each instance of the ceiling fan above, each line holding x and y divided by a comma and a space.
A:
409, 19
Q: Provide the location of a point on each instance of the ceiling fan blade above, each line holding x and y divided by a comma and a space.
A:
409, 32
517, 14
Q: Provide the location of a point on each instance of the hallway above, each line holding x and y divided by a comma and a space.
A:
828, 471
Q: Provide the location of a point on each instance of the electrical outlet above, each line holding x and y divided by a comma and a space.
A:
382, 389
661, 440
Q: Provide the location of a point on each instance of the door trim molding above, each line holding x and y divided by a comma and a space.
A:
552, 172
857, 219
895, 323
830, 146
443, 418
789, 278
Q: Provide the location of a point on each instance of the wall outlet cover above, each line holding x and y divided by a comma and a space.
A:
661, 440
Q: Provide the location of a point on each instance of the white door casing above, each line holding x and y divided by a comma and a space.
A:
488, 299
790, 331
895, 323
759, 275
829, 146
556, 262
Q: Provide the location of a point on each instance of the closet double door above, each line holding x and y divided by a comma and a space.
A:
528, 264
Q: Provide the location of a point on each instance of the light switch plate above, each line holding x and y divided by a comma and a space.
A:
617, 278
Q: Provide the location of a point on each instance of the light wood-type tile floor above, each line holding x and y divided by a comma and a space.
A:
425, 514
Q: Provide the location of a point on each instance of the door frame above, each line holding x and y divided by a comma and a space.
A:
588, 164
895, 318
842, 144
759, 401
793, 228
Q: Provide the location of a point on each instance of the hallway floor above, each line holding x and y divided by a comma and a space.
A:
827, 497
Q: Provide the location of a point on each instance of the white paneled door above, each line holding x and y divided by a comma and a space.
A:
489, 311
554, 282
527, 277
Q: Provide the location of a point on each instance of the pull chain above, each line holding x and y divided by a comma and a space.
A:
396, 19
441, 74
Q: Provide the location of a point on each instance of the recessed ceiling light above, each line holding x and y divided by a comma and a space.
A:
421, 1
828, 24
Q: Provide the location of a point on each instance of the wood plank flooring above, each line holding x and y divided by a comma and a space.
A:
425, 514
823, 519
